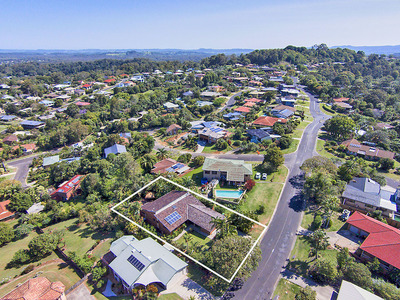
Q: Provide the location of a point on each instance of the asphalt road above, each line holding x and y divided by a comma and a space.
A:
22, 166
279, 239
231, 101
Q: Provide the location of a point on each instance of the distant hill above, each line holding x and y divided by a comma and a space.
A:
93, 54
387, 50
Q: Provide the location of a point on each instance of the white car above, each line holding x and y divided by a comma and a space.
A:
264, 176
258, 176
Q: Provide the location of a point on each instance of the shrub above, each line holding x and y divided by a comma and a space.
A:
317, 222
28, 269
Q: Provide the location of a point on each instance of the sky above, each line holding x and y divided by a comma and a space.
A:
193, 24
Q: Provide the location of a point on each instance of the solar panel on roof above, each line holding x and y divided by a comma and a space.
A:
136, 263
172, 218
170, 170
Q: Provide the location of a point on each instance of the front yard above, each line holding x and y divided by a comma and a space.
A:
308, 218
286, 290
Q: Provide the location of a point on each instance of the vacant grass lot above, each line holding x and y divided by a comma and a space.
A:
286, 290
54, 272
300, 261
308, 218
7, 253
78, 238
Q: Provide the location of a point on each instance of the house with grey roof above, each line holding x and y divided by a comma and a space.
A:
114, 149
169, 106
366, 195
48, 161
349, 290
139, 263
258, 135
230, 170
170, 211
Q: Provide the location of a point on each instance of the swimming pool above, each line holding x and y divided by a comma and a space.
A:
228, 194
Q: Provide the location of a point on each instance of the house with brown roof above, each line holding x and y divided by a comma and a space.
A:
5, 214
39, 288
354, 147
264, 121
381, 240
173, 129
9, 140
170, 211
341, 99
380, 126
170, 165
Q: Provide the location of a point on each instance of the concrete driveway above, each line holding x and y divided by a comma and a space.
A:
344, 238
80, 293
185, 287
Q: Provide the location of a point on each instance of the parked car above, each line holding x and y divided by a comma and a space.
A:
264, 176
258, 176
345, 215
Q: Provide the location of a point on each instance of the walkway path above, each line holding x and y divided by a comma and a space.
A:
185, 287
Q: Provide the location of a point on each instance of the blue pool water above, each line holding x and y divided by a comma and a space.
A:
228, 194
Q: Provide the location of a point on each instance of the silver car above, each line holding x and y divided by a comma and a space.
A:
258, 176
264, 176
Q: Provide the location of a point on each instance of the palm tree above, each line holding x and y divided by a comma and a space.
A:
224, 227
187, 239
162, 153
319, 241
147, 162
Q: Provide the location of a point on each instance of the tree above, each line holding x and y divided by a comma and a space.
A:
285, 141
20, 202
249, 184
187, 238
228, 253
374, 266
329, 205
98, 272
218, 101
340, 127
386, 290
223, 227
358, 274
318, 163
273, 158
319, 241
43, 244
147, 162
185, 158
386, 164
344, 259
306, 294
6, 234
23, 230
323, 271
198, 161
162, 153
221, 144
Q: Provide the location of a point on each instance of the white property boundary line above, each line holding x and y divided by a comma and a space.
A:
181, 252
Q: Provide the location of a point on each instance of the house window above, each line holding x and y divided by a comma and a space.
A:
207, 172
214, 172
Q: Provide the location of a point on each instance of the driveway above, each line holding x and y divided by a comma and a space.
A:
344, 238
80, 293
185, 287
279, 239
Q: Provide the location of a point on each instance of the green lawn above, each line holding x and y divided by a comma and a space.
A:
54, 272
309, 217
286, 290
196, 175
212, 149
292, 148
300, 260
321, 150
7, 253
266, 194
78, 238
196, 239
321, 106
102, 249
172, 296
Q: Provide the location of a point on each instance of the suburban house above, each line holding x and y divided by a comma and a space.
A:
349, 290
199, 125
203, 103
170, 211
233, 116
37, 288
267, 121
68, 189
380, 126
80, 103
31, 124
5, 214
139, 263
170, 106
343, 105
288, 101
365, 195
243, 109
12, 138
7, 118
253, 100
170, 165
340, 100
114, 149
210, 95
283, 111
173, 129
258, 135
381, 240
230, 170
212, 134
354, 147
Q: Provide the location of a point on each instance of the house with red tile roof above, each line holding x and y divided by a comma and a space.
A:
381, 240
81, 103
173, 129
243, 109
254, 100
266, 121
111, 80
10, 139
5, 214
341, 99
39, 288
170, 211
250, 104
69, 189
